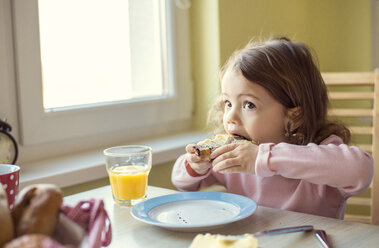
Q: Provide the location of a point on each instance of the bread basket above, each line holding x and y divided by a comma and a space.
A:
93, 218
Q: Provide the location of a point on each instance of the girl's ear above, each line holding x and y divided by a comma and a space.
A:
293, 117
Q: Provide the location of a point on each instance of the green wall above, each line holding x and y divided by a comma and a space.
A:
338, 30
205, 59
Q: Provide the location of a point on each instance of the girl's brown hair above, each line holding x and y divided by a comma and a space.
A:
287, 71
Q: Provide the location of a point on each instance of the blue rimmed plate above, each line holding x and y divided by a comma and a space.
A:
194, 211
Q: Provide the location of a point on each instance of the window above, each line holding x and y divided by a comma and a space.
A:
105, 56
94, 67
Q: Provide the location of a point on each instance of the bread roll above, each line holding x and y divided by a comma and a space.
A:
6, 224
205, 147
34, 241
36, 209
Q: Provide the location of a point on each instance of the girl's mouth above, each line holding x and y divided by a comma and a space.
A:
237, 136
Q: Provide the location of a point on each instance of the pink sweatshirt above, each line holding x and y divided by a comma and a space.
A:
313, 179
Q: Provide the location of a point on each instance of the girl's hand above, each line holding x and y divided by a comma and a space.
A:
199, 165
235, 158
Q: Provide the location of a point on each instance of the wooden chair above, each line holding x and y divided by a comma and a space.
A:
354, 98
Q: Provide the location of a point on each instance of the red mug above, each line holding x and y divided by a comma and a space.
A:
9, 179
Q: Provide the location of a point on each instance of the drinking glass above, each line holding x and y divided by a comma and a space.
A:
128, 168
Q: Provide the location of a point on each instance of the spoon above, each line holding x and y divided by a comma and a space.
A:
273, 232
284, 230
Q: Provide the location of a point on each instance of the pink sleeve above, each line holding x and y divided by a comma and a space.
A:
182, 180
331, 163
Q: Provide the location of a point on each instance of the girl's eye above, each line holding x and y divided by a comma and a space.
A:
228, 103
249, 105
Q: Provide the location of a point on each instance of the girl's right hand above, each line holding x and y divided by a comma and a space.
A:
199, 165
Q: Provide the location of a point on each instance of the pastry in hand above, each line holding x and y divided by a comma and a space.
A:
205, 147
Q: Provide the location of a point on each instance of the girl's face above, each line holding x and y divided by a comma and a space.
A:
250, 111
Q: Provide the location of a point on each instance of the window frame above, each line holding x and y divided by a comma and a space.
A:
38, 127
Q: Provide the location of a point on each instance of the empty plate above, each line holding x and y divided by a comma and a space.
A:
194, 211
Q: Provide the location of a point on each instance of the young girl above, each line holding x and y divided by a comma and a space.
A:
273, 93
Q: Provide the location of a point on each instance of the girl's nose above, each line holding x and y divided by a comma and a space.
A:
232, 116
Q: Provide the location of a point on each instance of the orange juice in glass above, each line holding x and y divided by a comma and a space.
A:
128, 168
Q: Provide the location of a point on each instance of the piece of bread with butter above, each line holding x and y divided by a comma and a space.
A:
205, 147
224, 241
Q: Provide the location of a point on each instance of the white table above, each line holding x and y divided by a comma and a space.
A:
128, 232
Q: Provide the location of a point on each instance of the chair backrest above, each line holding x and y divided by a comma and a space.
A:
354, 98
